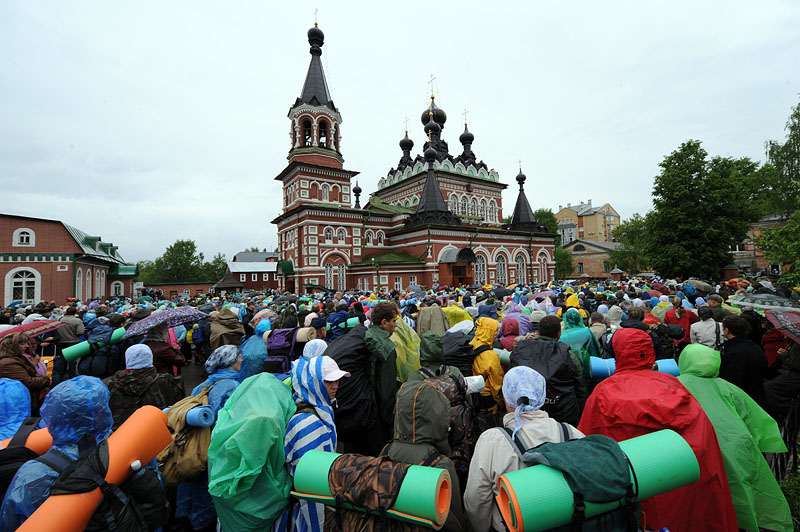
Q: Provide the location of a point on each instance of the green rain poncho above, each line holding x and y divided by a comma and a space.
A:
580, 339
246, 473
744, 431
406, 344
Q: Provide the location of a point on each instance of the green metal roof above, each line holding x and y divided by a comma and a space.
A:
390, 257
378, 203
286, 267
123, 270
91, 246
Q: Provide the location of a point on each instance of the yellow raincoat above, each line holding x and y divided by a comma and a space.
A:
573, 302
487, 362
456, 314
406, 345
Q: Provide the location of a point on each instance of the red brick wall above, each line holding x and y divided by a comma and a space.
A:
176, 289
51, 237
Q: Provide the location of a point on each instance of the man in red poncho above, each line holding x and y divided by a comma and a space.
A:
637, 401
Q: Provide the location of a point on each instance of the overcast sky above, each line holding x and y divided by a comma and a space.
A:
149, 121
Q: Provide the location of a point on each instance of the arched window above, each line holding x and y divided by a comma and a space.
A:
368, 238
342, 281
323, 134
416, 200
482, 211
463, 205
24, 286
325, 193
453, 203
542, 259
380, 238
23, 237
480, 269
328, 234
103, 284
491, 212
79, 283
307, 137
340, 236
97, 283
88, 285
502, 270
473, 207
579, 247
117, 288
521, 271
329, 276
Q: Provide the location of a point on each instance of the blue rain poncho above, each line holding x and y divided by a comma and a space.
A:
73, 408
254, 352
15, 406
246, 460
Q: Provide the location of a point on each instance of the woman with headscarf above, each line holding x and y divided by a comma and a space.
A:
312, 427
193, 500
14, 364
524, 392
166, 359
487, 364
580, 340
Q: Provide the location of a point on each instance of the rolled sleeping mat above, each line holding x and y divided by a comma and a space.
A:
423, 499
201, 416
538, 497
136, 442
39, 441
351, 322
82, 348
604, 367
304, 300
505, 356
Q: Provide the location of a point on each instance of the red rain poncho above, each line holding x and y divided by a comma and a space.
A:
637, 401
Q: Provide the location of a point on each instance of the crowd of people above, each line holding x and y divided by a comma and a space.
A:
393, 374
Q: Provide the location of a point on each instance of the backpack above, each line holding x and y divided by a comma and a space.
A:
16, 454
596, 469
458, 352
280, 350
137, 505
461, 436
371, 483
187, 456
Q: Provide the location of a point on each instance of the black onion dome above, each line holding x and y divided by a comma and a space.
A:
356, 190
466, 137
431, 127
315, 36
521, 178
430, 154
406, 143
439, 116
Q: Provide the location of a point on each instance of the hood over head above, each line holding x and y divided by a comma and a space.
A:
572, 301
76, 407
15, 406
484, 332
572, 319
699, 360
422, 416
308, 386
431, 352
634, 349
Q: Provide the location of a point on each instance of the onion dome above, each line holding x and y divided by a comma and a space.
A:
406, 143
432, 128
521, 179
315, 37
439, 116
357, 189
430, 154
466, 137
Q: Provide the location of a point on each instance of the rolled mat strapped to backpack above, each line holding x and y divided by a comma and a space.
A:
423, 498
140, 439
84, 348
39, 441
604, 367
539, 498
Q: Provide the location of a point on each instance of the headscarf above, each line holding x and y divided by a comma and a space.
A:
314, 348
138, 356
510, 331
699, 302
653, 301
573, 319
615, 316
663, 299
524, 390
602, 309
484, 333
308, 387
222, 357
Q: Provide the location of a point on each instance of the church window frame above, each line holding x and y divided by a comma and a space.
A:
307, 132
323, 134
379, 238
473, 207
492, 211
329, 276
522, 276
501, 267
23, 237
341, 283
368, 238
341, 235
480, 268
328, 235
453, 203
464, 206
325, 192
482, 210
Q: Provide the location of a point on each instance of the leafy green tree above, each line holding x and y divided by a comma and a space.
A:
782, 184
253, 249
633, 237
701, 210
507, 220
214, 271
564, 264
548, 219
782, 246
147, 272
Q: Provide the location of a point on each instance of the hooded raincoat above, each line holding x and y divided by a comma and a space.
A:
254, 352
434, 319
487, 363
637, 401
226, 329
72, 409
406, 345
421, 428
308, 430
15, 406
580, 340
509, 332
456, 314
573, 301
431, 356
744, 431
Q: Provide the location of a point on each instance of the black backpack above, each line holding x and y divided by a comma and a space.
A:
597, 470
16, 454
137, 505
458, 352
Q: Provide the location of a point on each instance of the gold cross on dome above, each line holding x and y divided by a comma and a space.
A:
520, 164
430, 82
315, 16
465, 116
406, 124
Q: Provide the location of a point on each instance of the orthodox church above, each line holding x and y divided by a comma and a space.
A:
435, 219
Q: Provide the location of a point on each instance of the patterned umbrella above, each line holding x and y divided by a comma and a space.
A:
765, 301
34, 328
171, 316
786, 321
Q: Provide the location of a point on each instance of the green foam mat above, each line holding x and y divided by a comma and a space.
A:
83, 348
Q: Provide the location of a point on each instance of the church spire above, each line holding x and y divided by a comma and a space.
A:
523, 218
315, 88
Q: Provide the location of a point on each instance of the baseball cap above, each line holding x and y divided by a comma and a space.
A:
331, 371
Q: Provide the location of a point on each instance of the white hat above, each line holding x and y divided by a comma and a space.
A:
331, 371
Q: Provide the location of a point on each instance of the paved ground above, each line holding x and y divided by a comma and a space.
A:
192, 375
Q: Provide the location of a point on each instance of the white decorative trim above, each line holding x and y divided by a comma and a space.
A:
9, 284
15, 238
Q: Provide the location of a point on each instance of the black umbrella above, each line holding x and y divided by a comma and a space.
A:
501, 292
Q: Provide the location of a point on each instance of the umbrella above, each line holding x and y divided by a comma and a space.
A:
413, 288
765, 301
546, 293
34, 328
653, 292
700, 285
171, 316
786, 321
501, 292
206, 308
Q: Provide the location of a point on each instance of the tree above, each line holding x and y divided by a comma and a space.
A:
631, 254
782, 246
214, 271
507, 220
782, 184
253, 249
548, 220
701, 210
564, 265
181, 262
147, 272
